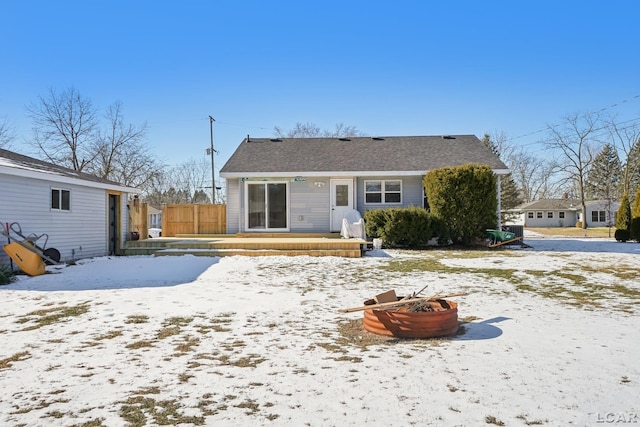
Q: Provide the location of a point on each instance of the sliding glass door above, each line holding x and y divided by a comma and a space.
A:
267, 206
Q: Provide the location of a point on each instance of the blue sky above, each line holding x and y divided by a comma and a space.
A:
389, 68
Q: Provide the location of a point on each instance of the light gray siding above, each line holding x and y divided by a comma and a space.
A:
309, 206
233, 205
78, 233
569, 220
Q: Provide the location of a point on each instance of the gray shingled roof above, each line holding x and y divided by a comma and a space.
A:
550, 205
20, 161
358, 154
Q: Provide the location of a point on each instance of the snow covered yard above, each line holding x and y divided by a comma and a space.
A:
549, 336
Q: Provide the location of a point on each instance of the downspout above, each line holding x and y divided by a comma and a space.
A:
498, 184
241, 203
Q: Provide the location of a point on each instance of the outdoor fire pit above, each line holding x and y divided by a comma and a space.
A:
423, 319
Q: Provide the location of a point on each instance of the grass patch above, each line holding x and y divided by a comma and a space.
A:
51, 316
217, 324
108, 336
352, 333
139, 344
136, 319
8, 362
530, 422
490, 419
138, 410
574, 231
98, 422
187, 345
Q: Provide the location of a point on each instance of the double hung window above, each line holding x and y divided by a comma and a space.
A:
383, 192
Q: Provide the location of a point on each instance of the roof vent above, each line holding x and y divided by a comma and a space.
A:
344, 139
377, 138
448, 137
275, 140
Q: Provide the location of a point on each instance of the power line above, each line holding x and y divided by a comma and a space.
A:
597, 111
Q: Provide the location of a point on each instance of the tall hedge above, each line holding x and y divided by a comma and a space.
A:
464, 200
623, 217
634, 228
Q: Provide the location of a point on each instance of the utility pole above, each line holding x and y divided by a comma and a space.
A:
213, 171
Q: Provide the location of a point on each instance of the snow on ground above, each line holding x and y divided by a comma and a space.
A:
549, 336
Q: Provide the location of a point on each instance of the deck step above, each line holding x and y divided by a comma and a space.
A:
345, 253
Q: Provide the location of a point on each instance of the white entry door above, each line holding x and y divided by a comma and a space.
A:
341, 201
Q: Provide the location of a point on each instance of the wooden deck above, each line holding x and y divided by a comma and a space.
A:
289, 244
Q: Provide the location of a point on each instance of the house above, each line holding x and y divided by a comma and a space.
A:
308, 184
563, 213
83, 216
601, 213
155, 217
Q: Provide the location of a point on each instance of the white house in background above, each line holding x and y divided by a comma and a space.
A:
84, 216
563, 213
601, 213
155, 217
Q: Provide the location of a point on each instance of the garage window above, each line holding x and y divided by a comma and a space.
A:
60, 199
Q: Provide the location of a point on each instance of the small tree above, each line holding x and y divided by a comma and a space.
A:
623, 220
634, 228
463, 199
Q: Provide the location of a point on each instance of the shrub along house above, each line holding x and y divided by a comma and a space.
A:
83, 215
306, 185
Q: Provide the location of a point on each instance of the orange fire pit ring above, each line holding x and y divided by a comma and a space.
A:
399, 322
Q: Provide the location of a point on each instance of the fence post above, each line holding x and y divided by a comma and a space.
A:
196, 219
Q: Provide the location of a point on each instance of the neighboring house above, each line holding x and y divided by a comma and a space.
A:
155, 217
601, 213
308, 184
546, 213
84, 216
563, 213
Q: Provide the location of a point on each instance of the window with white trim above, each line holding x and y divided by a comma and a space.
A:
60, 199
598, 216
549, 215
539, 215
383, 192
561, 215
530, 215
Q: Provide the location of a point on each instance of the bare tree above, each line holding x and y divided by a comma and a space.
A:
64, 126
7, 133
191, 177
626, 140
122, 154
574, 139
311, 130
534, 176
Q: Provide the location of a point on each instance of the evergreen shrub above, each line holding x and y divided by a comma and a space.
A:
464, 200
622, 235
410, 227
6, 275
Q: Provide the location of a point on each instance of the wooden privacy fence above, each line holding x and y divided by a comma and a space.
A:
193, 219
138, 223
